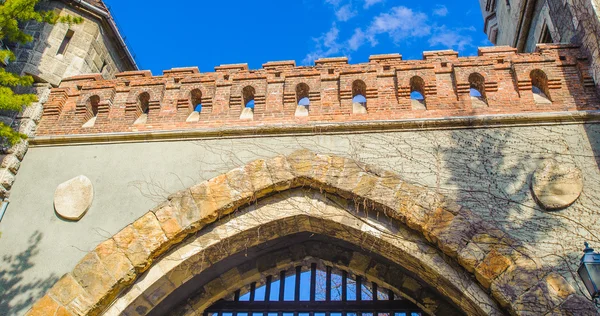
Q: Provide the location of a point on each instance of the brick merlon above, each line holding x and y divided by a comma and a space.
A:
385, 57
440, 55
180, 71
134, 74
274, 65
333, 61
496, 50
232, 67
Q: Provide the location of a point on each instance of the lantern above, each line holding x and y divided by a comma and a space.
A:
589, 271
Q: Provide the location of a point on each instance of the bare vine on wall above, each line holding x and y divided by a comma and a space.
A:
486, 170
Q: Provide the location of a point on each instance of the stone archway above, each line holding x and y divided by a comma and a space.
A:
215, 260
499, 264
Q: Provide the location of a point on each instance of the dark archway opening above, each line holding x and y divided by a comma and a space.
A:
319, 251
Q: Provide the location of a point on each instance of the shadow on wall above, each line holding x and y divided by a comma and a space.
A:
18, 295
491, 169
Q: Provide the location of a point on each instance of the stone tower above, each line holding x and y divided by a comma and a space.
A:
57, 52
525, 23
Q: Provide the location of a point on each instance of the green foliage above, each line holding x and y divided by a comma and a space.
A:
13, 15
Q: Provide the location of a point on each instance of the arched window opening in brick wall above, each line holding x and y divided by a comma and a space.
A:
196, 105
92, 106
143, 102
248, 96
539, 87
417, 93
477, 90
302, 98
359, 99
196, 100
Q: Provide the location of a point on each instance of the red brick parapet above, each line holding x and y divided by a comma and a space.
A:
503, 77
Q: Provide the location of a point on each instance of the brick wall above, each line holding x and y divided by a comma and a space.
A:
332, 84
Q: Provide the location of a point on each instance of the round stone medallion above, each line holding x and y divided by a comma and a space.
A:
73, 198
556, 185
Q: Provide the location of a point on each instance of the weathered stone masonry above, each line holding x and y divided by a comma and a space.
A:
500, 264
444, 79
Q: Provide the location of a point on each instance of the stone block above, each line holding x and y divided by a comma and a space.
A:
73, 198
492, 266
213, 198
149, 234
66, 290
19, 149
93, 277
116, 262
127, 242
516, 280
11, 162
557, 185
34, 111
281, 173
559, 285
576, 305
7, 178
359, 262
43, 307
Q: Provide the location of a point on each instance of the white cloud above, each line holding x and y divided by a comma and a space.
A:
453, 38
399, 24
357, 39
440, 10
345, 13
325, 45
369, 3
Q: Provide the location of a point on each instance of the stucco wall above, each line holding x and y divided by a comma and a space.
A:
488, 170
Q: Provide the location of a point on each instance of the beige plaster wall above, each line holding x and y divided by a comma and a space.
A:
487, 170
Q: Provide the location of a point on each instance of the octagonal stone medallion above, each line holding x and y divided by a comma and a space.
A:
556, 185
73, 198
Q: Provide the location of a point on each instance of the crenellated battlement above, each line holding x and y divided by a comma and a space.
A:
498, 81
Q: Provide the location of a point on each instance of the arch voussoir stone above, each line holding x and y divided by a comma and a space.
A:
498, 262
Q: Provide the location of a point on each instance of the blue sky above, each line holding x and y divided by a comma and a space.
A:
206, 34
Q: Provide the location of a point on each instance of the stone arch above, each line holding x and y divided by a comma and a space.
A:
278, 220
498, 263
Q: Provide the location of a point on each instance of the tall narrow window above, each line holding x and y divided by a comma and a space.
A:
539, 87
417, 93
302, 91
196, 95
144, 106
248, 97
359, 99
196, 102
92, 107
477, 90
546, 36
65, 43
